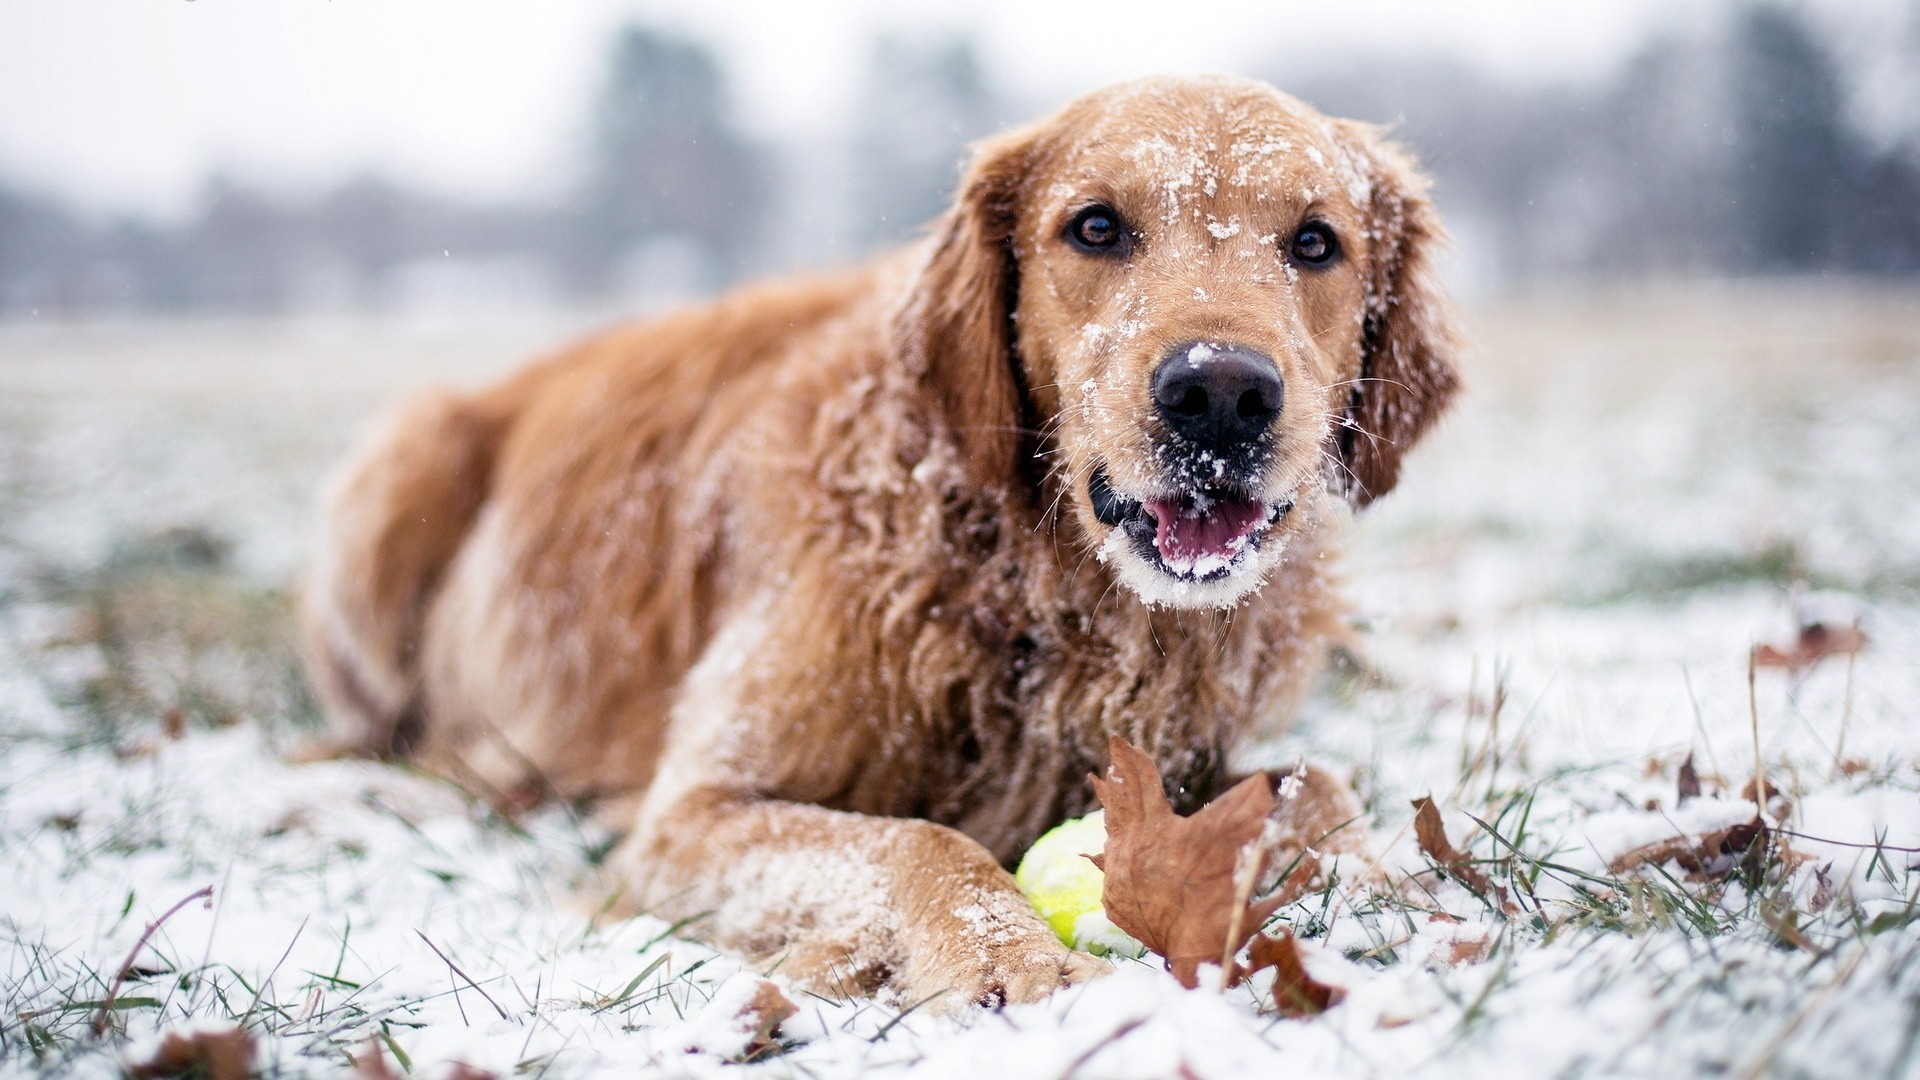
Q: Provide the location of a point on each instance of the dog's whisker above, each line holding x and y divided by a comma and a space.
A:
1395, 383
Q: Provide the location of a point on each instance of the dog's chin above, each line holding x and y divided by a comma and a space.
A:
1205, 548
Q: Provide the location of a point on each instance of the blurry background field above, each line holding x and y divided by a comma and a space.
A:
441, 156
1688, 246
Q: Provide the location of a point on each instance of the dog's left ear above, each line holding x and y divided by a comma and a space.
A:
955, 330
1410, 339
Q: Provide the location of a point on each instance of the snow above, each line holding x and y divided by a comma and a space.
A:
1594, 541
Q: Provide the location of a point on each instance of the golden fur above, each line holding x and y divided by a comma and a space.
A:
807, 584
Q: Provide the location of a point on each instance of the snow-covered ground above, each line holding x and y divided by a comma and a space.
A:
1558, 608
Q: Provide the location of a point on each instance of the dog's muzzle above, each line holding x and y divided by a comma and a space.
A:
1195, 536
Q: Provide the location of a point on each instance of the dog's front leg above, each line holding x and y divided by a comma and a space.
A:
845, 902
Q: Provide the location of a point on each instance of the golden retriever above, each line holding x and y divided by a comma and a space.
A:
836, 588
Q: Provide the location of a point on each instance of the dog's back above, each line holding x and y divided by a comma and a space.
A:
584, 442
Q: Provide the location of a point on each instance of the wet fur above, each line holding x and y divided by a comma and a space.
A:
804, 584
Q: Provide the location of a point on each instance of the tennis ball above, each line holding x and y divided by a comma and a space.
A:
1064, 886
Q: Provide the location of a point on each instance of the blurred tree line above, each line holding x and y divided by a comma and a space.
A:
1735, 152
1733, 155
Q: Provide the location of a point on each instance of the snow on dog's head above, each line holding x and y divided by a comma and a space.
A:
1213, 304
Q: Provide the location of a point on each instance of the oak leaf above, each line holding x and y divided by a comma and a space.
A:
1183, 886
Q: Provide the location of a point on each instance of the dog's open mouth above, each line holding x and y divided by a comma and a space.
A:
1196, 535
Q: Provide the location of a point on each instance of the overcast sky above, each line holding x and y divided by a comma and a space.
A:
127, 104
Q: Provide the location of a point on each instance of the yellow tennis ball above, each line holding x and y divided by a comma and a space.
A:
1061, 884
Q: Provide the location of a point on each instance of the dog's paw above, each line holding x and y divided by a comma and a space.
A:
1004, 977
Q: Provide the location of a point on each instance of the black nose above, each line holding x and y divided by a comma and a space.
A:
1219, 397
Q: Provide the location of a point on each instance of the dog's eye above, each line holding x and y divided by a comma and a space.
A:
1314, 245
1098, 229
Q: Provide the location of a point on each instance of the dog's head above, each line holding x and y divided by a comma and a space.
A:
1197, 299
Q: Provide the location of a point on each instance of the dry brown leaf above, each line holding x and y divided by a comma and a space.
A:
1295, 993
1467, 950
766, 1010
1778, 915
1689, 783
1180, 885
371, 1062
212, 1055
1822, 889
1714, 855
1777, 804
1815, 642
1431, 833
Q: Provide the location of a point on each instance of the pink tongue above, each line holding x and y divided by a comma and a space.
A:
1187, 535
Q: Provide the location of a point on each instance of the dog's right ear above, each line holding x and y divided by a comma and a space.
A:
955, 330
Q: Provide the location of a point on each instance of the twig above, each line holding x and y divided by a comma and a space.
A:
104, 1017
1846, 715
1492, 750
1251, 860
456, 970
1753, 719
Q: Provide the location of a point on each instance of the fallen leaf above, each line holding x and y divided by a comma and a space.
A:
1777, 914
1712, 855
225, 1054
1467, 950
371, 1062
1431, 833
763, 1013
1777, 804
1689, 783
1815, 642
1822, 889
1295, 992
1181, 886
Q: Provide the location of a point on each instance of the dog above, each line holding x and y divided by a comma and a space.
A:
832, 591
